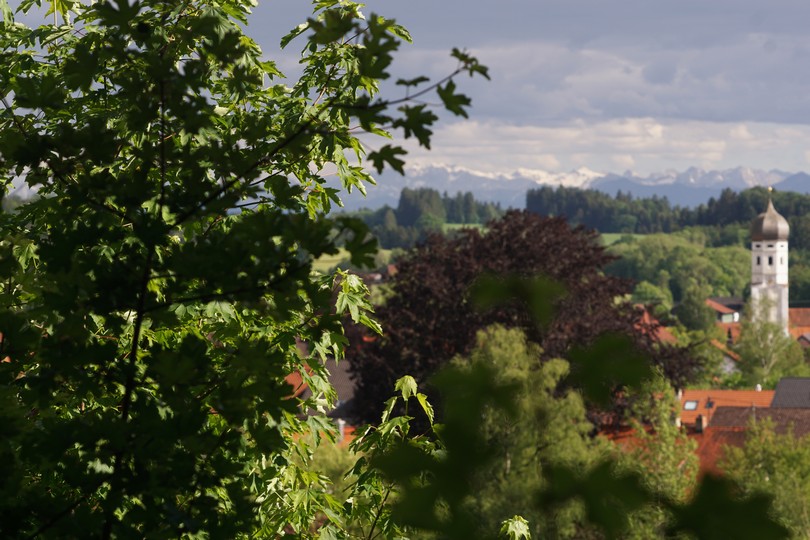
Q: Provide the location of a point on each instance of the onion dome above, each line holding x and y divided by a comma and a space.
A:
769, 225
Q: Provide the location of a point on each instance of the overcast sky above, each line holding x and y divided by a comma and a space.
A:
644, 85
612, 85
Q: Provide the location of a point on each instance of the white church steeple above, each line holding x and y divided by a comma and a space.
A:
769, 265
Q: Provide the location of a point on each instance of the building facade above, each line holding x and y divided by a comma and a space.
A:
769, 267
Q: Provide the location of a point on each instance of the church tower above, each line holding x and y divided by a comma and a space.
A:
769, 265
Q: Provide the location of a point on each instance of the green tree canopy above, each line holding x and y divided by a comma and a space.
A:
777, 464
767, 353
154, 294
547, 427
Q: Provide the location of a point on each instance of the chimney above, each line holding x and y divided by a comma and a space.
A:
759, 388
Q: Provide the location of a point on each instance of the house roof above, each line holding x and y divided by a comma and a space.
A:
734, 303
783, 419
799, 319
729, 425
799, 316
792, 392
711, 446
296, 381
732, 328
725, 350
650, 325
718, 307
705, 403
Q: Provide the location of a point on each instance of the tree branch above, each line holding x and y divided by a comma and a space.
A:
58, 175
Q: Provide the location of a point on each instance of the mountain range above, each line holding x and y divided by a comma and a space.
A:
690, 188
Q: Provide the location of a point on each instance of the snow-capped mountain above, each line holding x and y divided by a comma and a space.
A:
685, 188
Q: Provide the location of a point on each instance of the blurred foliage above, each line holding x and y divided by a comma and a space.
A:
777, 464
766, 352
677, 265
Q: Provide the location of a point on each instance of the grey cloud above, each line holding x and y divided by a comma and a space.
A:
660, 72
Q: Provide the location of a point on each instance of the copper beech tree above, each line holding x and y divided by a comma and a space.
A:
430, 318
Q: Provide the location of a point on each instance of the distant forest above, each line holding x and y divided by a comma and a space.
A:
723, 221
422, 211
624, 214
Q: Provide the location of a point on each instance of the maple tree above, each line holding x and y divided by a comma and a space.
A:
154, 291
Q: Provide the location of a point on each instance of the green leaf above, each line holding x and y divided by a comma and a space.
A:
470, 64
7, 13
426, 406
330, 26
388, 154
516, 528
609, 496
401, 32
25, 253
538, 294
294, 33
416, 122
406, 386
613, 361
59, 6
453, 102
412, 82
716, 511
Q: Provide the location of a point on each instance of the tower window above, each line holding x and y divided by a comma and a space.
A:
759, 260
781, 260
770, 245
770, 261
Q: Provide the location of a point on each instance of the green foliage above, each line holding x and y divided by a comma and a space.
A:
154, 294
423, 211
721, 221
547, 427
692, 311
675, 263
662, 454
776, 464
766, 353
516, 528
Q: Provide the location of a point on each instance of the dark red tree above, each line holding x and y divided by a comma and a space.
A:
430, 319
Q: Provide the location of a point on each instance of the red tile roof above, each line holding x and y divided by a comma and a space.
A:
799, 316
711, 447
725, 350
296, 381
709, 400
784, 419
649, 324
734, 327
718, 307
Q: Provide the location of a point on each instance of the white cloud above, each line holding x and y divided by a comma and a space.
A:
644, 144
623, 161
